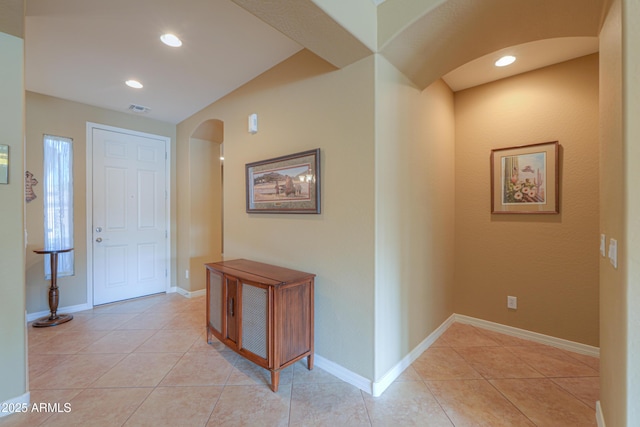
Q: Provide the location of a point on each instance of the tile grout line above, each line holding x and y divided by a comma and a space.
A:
226, 386
439, 403
512, 403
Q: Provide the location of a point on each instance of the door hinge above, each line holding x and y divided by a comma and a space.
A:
166, 273
166, 234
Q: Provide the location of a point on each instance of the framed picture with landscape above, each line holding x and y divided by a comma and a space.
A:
525, 179
287, 184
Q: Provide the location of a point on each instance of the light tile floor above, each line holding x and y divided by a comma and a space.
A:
146, 362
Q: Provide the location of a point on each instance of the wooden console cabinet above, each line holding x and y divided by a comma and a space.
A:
263, 312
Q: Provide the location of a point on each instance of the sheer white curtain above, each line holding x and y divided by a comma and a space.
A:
58, 202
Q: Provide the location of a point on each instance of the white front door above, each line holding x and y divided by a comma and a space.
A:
129, 224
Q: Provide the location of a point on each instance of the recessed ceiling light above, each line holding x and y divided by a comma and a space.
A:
171, 40
134, 84
505, 60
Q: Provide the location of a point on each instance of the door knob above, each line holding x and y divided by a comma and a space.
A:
99, 239
98, 229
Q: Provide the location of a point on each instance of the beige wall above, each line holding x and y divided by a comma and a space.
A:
12, 17
305, 100
550, 262
620, 210
55, 116
206, 209
414, 213
414, 276
305, 103
13, 356
631, 54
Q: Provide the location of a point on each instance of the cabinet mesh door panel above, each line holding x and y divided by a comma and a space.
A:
215, 301
254, 320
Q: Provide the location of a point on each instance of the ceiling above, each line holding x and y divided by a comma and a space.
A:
84, 50
529, 56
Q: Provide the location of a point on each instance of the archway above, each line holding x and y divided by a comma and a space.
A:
205, 196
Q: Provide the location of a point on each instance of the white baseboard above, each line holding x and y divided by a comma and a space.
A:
344, 374
81, 307
69, 309
376, 388
188, 294
599, 416
17, 404
530, 336
379, 386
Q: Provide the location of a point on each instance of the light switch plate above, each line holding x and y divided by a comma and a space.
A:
613, 252
253, 123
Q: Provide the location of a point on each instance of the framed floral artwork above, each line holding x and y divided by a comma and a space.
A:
525, 179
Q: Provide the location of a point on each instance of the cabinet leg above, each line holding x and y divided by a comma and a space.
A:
310, 361
275, 380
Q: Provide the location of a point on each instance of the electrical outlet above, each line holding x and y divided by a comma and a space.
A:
512, 303
186, 274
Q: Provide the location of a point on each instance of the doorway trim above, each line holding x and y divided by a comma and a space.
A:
89, 199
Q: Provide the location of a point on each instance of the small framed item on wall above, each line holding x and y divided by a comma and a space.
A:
4, 164
525, 179
286, 184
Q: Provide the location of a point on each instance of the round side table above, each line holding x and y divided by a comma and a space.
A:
54, 318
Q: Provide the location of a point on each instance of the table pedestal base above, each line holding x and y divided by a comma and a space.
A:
54, 318
49, 321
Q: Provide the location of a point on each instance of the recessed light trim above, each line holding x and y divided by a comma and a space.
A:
171, 40
505, 60
134, 84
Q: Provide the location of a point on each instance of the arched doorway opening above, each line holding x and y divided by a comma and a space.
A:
205, 195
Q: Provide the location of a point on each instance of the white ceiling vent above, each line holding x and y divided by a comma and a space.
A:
139, 109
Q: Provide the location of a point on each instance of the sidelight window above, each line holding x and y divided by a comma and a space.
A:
58, 202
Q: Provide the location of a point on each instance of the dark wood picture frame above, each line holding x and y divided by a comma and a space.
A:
286, 184
526, 179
